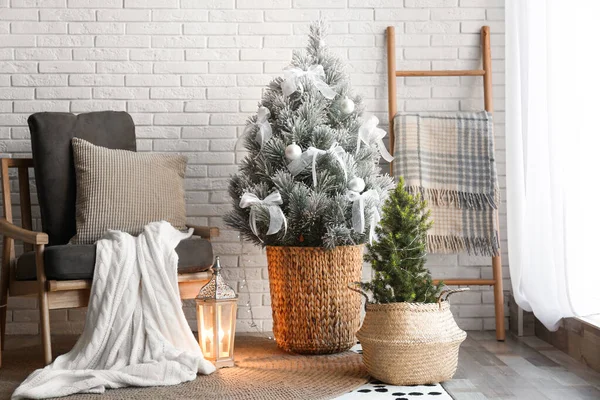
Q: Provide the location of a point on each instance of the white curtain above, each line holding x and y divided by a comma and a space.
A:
553, 156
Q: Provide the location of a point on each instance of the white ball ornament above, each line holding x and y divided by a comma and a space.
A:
293, 152
347, 106
356, 184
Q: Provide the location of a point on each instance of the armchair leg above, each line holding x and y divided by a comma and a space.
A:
3, 301
2, 321
4, 277
43, 300
3, 312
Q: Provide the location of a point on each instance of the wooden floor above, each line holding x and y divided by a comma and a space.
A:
520, 368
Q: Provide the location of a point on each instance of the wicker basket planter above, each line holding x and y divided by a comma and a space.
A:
313, 310
410, 343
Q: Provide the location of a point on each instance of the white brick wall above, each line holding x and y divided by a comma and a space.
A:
191, 71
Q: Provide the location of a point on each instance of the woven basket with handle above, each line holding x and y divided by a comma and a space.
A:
410, 343
313, 310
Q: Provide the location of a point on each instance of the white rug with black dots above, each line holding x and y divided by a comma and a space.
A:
382, 391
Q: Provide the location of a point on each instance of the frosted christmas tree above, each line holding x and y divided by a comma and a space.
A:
312, 175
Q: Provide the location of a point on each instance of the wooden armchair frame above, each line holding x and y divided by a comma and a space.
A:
52, 294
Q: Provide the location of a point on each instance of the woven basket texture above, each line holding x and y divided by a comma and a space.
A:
410, 343
314, 312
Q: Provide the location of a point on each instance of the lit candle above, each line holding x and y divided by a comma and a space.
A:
223, 344
208, 337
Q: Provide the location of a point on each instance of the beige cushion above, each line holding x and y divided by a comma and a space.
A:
124, 190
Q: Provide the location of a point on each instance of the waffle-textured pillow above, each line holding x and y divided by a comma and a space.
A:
124, 190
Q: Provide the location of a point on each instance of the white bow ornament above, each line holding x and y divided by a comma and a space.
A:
369, 132
315, 73
358, 211
273, 201
311, 154
265, 131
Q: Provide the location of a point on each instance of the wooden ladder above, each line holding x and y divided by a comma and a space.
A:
486, 73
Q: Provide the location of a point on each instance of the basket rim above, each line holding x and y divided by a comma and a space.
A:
319, 248
406, 306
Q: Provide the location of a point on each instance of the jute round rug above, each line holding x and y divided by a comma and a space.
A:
262, 371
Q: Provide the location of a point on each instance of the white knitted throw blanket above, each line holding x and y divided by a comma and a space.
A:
135, 331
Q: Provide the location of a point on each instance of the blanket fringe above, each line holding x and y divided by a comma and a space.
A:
478, 246
457, 199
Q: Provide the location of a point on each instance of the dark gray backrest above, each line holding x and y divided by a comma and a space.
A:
51, 135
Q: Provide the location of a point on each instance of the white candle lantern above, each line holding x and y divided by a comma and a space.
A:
216, 306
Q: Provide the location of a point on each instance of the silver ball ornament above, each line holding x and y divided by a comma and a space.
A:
347, 106
357, 184
293, 152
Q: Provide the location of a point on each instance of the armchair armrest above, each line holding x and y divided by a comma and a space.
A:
205, 232
16, 232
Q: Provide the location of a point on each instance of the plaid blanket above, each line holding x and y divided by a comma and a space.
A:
449, 160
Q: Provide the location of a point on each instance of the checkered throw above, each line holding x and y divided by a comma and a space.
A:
449, 160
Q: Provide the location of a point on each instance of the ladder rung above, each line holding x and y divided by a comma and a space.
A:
469, 282
464, 72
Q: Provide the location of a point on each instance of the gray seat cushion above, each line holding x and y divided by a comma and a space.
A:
51, 135
67, 262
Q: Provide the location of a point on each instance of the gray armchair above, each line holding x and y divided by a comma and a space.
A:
61, 274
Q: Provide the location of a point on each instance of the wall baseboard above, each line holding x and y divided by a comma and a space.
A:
513, 317
576, 338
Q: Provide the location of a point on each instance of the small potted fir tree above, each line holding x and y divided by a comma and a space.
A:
409, 335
